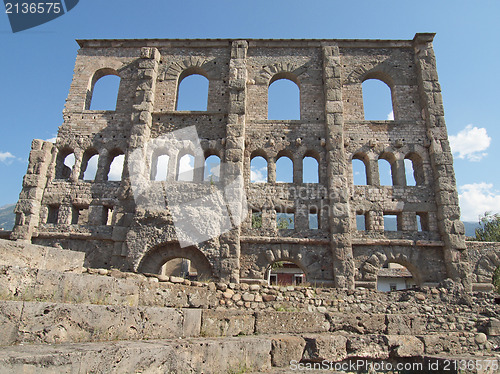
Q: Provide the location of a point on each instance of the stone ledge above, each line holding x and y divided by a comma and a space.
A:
24, 254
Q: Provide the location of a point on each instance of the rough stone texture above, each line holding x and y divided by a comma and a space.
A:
227, 323
40, 257
325, 347
175, 356
296, 322
285, 349
51, 323
405, 346
101, 218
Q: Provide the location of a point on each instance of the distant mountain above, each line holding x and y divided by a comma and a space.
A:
7, 217
470, 228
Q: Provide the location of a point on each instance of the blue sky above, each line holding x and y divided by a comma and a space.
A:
37, 65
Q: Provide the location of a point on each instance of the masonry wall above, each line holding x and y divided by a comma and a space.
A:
114, 231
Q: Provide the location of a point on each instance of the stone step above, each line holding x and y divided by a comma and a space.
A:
243, 354
27, 322
201, 355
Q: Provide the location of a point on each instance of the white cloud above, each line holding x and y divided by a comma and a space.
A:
258, 175
52, 140
186, 168
116, 168
6, 157
390, 116
476, 199
470, 143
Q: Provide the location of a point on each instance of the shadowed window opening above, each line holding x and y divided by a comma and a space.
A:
53, 214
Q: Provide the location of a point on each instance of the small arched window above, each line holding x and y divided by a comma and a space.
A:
283, 102
284, 170
360, 173
159, 170
192, 93
387, 170
414, 170
258, 170
310, 170
103, 91
65, 163
185, 169
211, 171
89, 165
116, 162
377, 100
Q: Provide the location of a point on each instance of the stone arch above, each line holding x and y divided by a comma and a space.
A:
418, 167
153, 260
281, 70
87, 156
276, 254
401, 255
111, 156
192, 65
98, 74
363, 157
486, 264
63, 171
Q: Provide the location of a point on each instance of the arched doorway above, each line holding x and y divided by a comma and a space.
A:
394, 277
171, 259
285, 273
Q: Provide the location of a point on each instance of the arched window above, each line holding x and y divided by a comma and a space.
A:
360, 170
65, 163
377, 100
284, 170
283, 101
89, 165
310, 170
103, 91
414, 170
387, 170
258, 170
393, 277
116, 162
185, 169
159, 170
211, 171
192, 93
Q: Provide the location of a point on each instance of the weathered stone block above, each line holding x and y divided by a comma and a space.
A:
269, 322
285, 349
227, 323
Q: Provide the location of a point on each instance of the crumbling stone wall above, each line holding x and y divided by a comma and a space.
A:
331, 129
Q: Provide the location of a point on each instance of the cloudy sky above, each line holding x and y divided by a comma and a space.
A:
37, 65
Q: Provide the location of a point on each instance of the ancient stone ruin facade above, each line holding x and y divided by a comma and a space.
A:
101, 217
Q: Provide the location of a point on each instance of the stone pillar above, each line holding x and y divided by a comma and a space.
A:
234, 156
340, 223
28, 207
448, 211
140, 133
